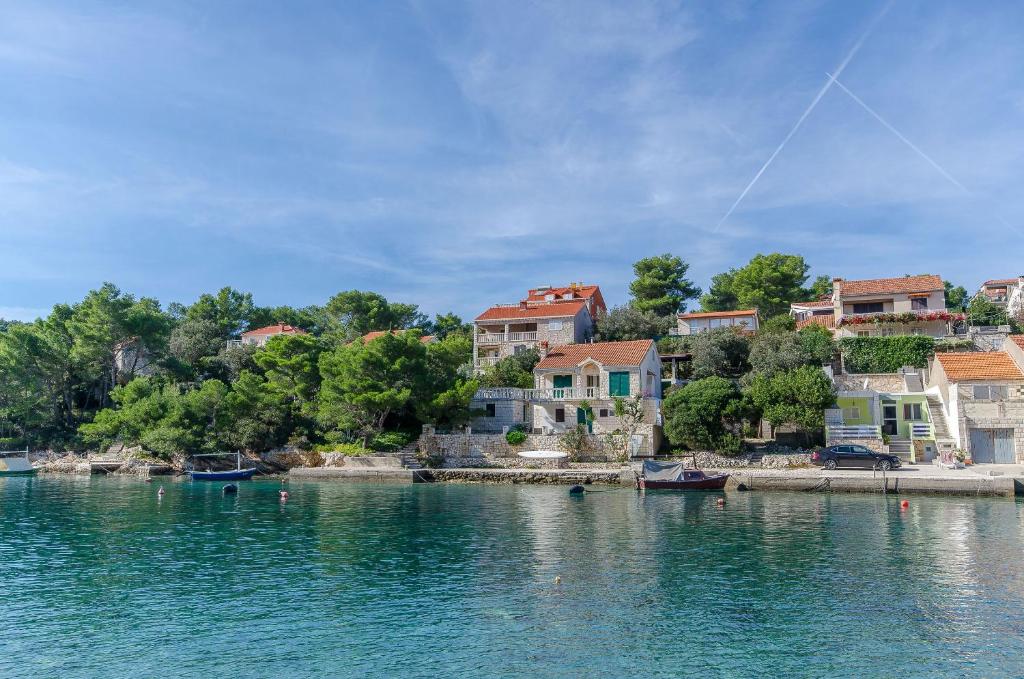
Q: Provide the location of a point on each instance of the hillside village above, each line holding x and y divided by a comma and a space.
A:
909, 365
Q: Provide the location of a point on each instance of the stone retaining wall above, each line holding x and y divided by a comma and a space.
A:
477, 450
707, 460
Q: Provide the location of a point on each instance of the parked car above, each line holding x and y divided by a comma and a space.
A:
853, 456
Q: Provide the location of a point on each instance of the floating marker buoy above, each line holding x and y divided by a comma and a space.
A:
284, 495
904, 504
558, 579
161, 491
721, 502
230, 489
576, 490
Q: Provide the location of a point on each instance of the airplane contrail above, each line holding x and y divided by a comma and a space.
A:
902, 138
800, 121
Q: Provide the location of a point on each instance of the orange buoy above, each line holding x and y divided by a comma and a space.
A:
284, 494
904, 504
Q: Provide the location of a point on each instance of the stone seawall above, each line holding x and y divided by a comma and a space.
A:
462, 450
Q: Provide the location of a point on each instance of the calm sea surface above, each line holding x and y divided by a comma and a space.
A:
103, 579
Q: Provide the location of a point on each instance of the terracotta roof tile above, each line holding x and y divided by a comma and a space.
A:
606, 353
824, 320
1001, 281
718, 314
559, 309
979, 365
889, 286
1018, 340
279, 329
816, 304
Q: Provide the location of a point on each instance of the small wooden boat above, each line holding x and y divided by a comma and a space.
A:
674, 476
16, 463
236, 474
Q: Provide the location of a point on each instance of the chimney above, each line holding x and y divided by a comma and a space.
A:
523, 305
542, 348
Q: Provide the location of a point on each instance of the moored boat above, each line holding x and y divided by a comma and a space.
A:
16, 463
236, 474
674, 476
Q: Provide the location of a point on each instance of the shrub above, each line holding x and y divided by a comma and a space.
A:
886, 354
390, 441
349, 449
575, 441
515, 437
700, 414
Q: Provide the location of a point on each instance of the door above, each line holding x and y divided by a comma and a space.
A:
861, 457
983, 445
843, 456
1004, 452
561, 382
890, 423
581, 418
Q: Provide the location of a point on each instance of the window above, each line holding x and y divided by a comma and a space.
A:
549, 297
491, 411
593, 381
554, 325
869, 308
991, 392
603, 412
851, 413
912, 411
618, 384
559, 414
715, 323
863, 333
519, 348
917, 303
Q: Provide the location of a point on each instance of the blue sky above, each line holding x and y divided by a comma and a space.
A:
453, 154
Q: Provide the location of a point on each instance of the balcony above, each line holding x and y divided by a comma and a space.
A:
486, 361
500, 337
854, 431
541, 395
900, 317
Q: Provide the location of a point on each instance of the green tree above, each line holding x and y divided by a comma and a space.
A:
661, 286
260, 417
956, 296
449, 391
290, 365
769, 283
230, 310
512, 371
982, 311
447, 324
721, 352
364, 383
354, 313
773, 353
799, 396
721, 295
821, 287
780, 323
704, 414
631, 323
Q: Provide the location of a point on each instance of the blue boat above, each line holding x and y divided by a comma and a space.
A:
236, 474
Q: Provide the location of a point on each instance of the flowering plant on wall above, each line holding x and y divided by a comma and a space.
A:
903, 317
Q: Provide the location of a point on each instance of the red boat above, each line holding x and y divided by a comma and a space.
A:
673, 476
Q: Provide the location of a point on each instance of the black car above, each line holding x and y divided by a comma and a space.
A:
853, 456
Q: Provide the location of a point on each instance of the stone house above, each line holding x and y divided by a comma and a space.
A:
701, 321
572, 376
544, 318
816, 312
983, 398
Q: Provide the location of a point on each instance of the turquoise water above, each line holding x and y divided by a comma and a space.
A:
102, 578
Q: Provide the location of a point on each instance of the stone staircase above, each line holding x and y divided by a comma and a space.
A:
407, 455
938, 419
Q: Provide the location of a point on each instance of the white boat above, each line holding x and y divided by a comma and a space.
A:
16, 463
543, 455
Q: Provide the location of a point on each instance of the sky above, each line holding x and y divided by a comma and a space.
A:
453, 154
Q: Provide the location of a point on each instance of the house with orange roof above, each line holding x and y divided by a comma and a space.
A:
815, 312
983, 401
909, 305
546, 317
259, 336
694, 322
571, 377
1007, 293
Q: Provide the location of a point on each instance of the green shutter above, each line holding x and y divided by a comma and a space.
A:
562, 381
618, 384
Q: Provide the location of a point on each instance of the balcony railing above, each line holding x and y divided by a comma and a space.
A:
556, 394
854, 431
921, 430
499, 337
487, 361
901, 317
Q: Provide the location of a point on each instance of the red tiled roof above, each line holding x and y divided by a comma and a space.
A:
606, 353
718, 314
1001, 281
889, 286
588, 292
374, 334
1018, 340
816, 304
279, 329
979, 365
559, 309
824, 320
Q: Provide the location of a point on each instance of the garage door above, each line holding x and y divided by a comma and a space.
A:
992, 445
